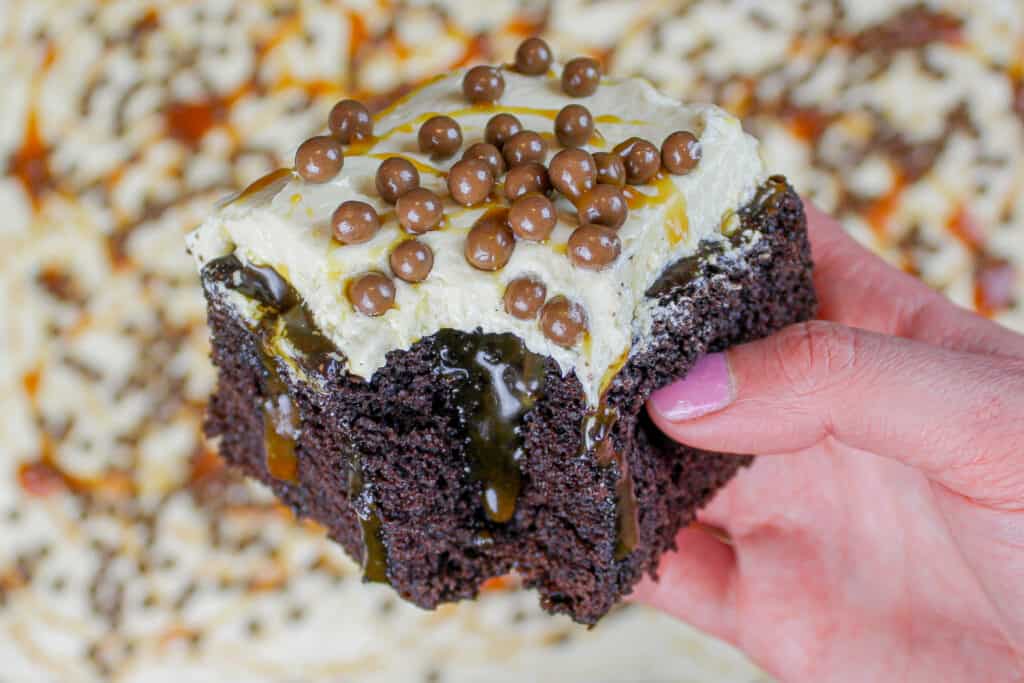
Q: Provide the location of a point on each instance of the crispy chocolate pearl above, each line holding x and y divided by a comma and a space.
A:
354, 222
525, 179
533, 57
487, 152
611, 170
680, 152
395, 177
524, 147
483, 84
523, 297
532, 217
572, 172
470, 181
500, 128
581, 76
319, 159
563, 321
440, 137
604, 205
350, 121
411, 261
592, 246
490, 243
419, 210
641, 158
574, 125
372, 293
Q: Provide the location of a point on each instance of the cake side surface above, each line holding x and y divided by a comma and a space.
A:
579, 501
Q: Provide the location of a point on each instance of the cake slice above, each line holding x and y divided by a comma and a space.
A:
436, 334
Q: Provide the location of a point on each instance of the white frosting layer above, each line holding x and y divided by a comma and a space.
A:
286, 224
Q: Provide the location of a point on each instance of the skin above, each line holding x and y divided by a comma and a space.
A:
881, 538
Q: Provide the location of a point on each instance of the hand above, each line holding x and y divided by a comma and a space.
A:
881, 536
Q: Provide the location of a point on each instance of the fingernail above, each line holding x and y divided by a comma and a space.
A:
705, 389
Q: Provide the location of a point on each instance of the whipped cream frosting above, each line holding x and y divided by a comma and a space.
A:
284, 222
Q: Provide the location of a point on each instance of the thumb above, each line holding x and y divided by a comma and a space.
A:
957, 416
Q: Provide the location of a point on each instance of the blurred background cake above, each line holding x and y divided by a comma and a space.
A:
130, 553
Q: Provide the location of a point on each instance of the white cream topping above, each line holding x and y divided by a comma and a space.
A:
286, 224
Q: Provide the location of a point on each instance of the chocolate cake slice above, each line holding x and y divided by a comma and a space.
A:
436, 334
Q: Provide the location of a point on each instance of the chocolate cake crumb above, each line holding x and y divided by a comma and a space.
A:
406, 430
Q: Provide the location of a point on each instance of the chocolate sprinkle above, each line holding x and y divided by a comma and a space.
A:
419, 210
563, 321
411, 261
350, 121
354, 222
574, 125
524, 147
372, 293
488, 153
500, 128
524, 297
593, 247
470, 182
581, 76
395, 177
532, 217
533, 57
604, 205
319, 159
524, 179
680, 152
440, 137
573, 172
490, 242
641, 158
483, 84
611, 169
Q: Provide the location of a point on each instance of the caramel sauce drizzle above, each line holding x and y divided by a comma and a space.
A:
677, 223
496, 381
365, 147
374, 562
285, 316
278, 176
597, 429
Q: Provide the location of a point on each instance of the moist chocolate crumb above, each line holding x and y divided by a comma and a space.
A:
407, 431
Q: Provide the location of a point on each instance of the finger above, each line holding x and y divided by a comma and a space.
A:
694, 583
857, 288
956, 416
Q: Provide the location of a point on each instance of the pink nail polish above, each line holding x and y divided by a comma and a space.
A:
706, 388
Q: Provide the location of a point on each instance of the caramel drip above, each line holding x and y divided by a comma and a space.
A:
612, 371
627, 510
375, 554
279, 176
677, 223
284, 316
496, 381
597, 437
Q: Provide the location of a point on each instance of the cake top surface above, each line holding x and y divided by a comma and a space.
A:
531, 199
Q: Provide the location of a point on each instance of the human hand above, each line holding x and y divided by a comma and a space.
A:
882, 536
